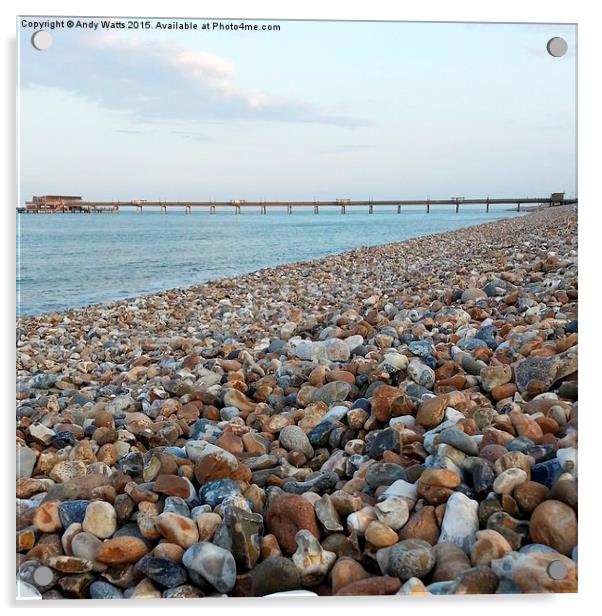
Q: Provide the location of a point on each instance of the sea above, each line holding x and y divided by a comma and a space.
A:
74, 260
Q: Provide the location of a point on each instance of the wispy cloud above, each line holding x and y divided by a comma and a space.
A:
165, 80
349, 147
153, 129
191, 135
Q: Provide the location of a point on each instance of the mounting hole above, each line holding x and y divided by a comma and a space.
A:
557, 47
557, 570
41, 40
42, 576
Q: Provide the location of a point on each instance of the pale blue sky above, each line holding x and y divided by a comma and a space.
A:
316, 110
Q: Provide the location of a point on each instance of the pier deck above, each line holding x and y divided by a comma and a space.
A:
88, 207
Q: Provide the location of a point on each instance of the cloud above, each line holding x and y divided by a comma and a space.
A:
191, 135
161, 80
185, 134
348, 147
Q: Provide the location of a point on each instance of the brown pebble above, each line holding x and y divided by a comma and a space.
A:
383, 585
554, 523
121, 550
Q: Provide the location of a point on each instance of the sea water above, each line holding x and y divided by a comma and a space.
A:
73, 260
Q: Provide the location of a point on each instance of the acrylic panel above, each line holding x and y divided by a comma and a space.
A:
297, 308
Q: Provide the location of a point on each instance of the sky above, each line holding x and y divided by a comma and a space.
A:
316, 110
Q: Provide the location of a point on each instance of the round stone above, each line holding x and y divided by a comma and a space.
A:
214, 564
286, 515
100, 519
555, 524
292, 438
276, 574
121, 550
507, 481
407, 559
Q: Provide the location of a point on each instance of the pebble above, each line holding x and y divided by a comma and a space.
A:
431, 411
327, 514
253, 437
100, 519
26, 460
163, 571
459, 440
72, 511
274, 575
379, 585
214, 492
507, 481
46, 518
121, 550
460, 521
292, 438
240, 533
312, 561
380, 535
27, 591
531, 573
214, 564
177, 529
104, 590
554, 523
476, 581
451, 561
472, 295
86, 546
407, 559
346, 571
393, 512
421, 374
490, 545
286, 515
529, 495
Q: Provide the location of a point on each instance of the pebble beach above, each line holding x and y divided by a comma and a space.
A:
393, 420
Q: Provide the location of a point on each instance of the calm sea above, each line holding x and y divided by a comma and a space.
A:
72, 260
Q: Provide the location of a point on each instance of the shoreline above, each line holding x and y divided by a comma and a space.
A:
151, 294
396, 419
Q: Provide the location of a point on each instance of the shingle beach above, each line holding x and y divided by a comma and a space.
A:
399, 419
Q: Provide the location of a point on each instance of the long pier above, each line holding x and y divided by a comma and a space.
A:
78, 206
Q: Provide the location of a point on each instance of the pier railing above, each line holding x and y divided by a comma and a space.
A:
88, 207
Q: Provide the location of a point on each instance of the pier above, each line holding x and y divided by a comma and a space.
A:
56, 204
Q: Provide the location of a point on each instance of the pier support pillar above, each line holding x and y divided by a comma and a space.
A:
518, 207
316, 209
188, 209
428, 208
164, 209
139, 208
457, 207
264, 209
289, 209
343, 210
487, 208
371, 209
237, 209
212, 209
399, 209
